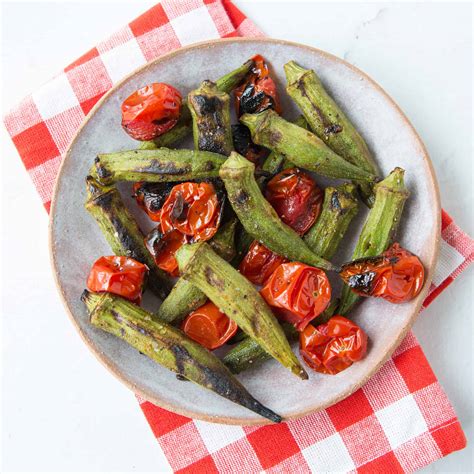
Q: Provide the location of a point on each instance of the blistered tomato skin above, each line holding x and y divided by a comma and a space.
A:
151, 196
334, 346
396, 276
209, 327
122, 276
297, 293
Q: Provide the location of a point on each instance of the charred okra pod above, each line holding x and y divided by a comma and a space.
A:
235, 296
300, 146
339, 208
160, 165
259, 218
210, 110
121, 231
185, 297
328, 121
168, 347
380, 227
183, 128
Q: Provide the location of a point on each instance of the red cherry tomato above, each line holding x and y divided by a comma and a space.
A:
122, 276
151, 111
193, 209
163, 248
397, 275
209, 327
297, 292
296, 198
259, 263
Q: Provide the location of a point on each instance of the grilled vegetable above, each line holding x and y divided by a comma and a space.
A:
301, 147
235, 296
121, 231
160, 165
380, 227
339, 208
259, 218
328, 121
210, 110
169, 347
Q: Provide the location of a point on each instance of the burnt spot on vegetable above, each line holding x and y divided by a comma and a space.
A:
106, 200
332, 129
213, 279
335, 203
209, 166
179, 211
165, 167
102, 172
362, 282
241, 198
153, 195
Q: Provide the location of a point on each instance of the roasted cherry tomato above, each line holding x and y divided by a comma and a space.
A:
332, 347
259, 263
163, 247
296, 198
122, 276
297, 292
151, 111
244, 145
397, 275
151, 196
193, 209
209, 327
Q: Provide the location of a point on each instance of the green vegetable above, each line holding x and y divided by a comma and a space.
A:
147, 145
121, 231
168, 347
160, 165
210, 110
380, 227
259, 218
235, 296
242, 244
301, 147
339, 208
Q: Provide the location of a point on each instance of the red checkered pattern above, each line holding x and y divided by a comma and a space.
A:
399, 421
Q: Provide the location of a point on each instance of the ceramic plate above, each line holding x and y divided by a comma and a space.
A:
76, 240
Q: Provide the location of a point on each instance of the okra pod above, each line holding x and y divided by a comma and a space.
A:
301, 147
210, 111
184, 126
121, 231
328, 121
185, 297
160, 165
147, 145
380, 227
339, 208
259, 218
235, 296
169, 347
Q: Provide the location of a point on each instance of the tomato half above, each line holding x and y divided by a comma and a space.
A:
209, 327
396, 276
296, 198
332, 347
122, 276
193, 209
297, 292
151, 111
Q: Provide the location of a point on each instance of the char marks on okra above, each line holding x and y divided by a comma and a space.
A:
169, 347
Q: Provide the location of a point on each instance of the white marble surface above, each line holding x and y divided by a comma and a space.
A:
62, 411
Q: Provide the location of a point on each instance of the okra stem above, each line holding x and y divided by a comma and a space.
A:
169, 347
259, 218
339, 208
301, 147
121, 231
235, 296
380, 227
160, 165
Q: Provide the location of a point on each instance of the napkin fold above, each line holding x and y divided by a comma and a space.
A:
400, 421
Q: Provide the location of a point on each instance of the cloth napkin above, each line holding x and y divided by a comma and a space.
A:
400, 421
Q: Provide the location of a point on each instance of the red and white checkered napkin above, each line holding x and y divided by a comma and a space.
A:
398, 422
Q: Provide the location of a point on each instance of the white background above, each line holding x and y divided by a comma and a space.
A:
62, 411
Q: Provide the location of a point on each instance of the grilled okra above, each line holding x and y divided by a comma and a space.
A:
169, 347
380, 227
235, 296
301, 147
121, 231
259, 218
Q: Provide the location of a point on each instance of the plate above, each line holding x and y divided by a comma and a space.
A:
75, 240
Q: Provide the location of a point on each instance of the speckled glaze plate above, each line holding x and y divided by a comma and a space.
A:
76, 242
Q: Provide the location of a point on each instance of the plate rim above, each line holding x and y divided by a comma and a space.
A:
255, 421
